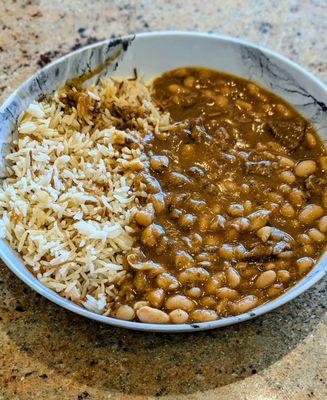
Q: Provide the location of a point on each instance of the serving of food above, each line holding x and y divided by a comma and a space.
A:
193, 197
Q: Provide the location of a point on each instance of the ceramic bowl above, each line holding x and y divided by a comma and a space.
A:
153, 54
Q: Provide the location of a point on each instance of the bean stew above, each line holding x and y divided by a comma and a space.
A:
236, 207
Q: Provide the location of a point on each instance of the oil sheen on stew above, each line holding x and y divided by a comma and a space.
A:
236, 210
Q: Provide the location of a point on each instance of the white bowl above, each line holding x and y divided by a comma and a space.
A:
153, 54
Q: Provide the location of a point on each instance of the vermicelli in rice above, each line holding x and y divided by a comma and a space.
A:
67, 203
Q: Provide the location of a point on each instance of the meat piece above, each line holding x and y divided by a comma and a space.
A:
260, 253
290, 133
281, 247
315, 185
279, 235
264, 168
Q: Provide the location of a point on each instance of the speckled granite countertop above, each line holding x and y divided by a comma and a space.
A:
48, 353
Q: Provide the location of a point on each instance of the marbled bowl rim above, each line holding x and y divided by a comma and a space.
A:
12, 261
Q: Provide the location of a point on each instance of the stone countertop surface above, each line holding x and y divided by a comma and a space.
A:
49, 353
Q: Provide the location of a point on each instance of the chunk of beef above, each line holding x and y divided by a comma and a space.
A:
290, 133
264, 168
315, 185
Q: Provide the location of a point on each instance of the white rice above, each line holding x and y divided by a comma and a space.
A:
67, 203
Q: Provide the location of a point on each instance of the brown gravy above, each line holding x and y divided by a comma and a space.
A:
237, 200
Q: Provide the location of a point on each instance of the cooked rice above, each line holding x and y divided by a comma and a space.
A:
67, 203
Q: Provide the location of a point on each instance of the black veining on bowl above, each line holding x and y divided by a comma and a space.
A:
281, 81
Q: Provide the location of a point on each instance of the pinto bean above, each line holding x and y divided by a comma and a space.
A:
323, 163
189, 81
213, 284
240, 224
175, 89
287, 211
264, 233
310, 140
286, 162
297, 197
178, 179
222, 306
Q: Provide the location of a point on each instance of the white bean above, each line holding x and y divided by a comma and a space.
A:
194, 292
243, 305
316, 235
227, 293
178, 316
236, 210
167, 281
265, 279
183, 259
156, 297
233, 277
322, 224
151, 235
310, 213
304, 264
287, 177
203, 315
151, 315
194, 274
286, 162
125, 312
158, 163
258, 219
179, 301
305, 168
310, 140
146, 216
283, 275
264, 233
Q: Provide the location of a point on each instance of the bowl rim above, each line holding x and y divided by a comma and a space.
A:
7, 253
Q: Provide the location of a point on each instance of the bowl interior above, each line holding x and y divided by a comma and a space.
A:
152, 54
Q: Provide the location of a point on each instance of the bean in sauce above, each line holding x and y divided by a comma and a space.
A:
236, 212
